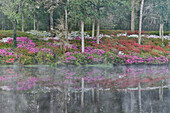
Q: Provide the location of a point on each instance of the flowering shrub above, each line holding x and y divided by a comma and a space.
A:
25, 60
44, 57
136, 32
90, 56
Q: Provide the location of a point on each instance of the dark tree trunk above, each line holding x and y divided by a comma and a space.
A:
15, 34
70, 28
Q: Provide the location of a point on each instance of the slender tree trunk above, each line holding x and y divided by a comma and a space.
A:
161, 32
140, 21
15, 34
93, 28
51, 22
37, 23
82, 36
133, 16
22, 21
34, 20
66, 26
98, 28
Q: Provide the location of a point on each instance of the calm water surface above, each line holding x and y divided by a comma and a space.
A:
97, 89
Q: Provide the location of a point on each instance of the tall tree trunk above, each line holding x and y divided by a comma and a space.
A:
82, 36
66, 26
34, 20
98, 28
51, 22
133, 16
161, 32
37, 23
22, 21
140, 21
93, 28
15, 34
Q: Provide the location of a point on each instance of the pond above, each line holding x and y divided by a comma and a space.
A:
86, 89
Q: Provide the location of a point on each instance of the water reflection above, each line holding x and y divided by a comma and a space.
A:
120, 89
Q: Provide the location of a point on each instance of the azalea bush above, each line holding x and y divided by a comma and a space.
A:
90, 56
26, 60
44, 57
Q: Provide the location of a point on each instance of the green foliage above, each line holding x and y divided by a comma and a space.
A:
43, 58
26, 60
5, 45
145, 55
9, 33
157, 32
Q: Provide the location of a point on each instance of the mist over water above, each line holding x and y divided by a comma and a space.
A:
86, 89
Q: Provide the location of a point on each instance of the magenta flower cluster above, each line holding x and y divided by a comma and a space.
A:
133, 59
24, 42
6, 52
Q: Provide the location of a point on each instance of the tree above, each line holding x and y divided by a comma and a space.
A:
34, 6
51, 5
11, 9
66, 22
79, 11
22, 13
140, 22
98, 9
161, 9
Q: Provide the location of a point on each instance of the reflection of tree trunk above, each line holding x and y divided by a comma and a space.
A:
133, 16
37, 102
140, 22
82, 36
82, 92
97, 91
139, 98
51, 102
161, 92
65, 100
92, 95
132, 101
